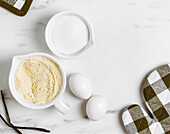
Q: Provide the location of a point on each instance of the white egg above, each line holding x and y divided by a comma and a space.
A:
96, 108
80, 86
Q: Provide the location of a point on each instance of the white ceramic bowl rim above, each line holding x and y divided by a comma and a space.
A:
90, 44
15, 62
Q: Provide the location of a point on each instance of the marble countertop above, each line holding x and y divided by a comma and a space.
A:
133, 38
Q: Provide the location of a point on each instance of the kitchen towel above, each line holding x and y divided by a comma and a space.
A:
156, 92
18, 7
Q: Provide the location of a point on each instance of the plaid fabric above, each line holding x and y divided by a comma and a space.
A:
11, 2
156, 91
137, 121
15, 3
18, 7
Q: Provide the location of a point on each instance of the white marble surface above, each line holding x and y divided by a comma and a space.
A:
133, 38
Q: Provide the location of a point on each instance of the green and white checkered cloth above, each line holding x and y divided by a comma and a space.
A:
156, 92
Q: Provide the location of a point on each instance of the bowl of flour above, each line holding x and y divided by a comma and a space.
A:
38, 81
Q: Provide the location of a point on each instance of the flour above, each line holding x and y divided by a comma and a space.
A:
38, 79
70, 34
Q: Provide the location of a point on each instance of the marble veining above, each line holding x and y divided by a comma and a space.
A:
132, 39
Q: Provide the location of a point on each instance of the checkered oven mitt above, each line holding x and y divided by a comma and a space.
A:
18, 7
156, 92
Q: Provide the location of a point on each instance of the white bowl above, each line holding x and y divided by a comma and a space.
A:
53, 47
15, 62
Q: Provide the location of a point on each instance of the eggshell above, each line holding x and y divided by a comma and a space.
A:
80, 86
96, 108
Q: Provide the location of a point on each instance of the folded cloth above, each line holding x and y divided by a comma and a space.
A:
18, 7
156, 92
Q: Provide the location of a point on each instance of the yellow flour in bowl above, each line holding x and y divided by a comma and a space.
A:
38, 79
